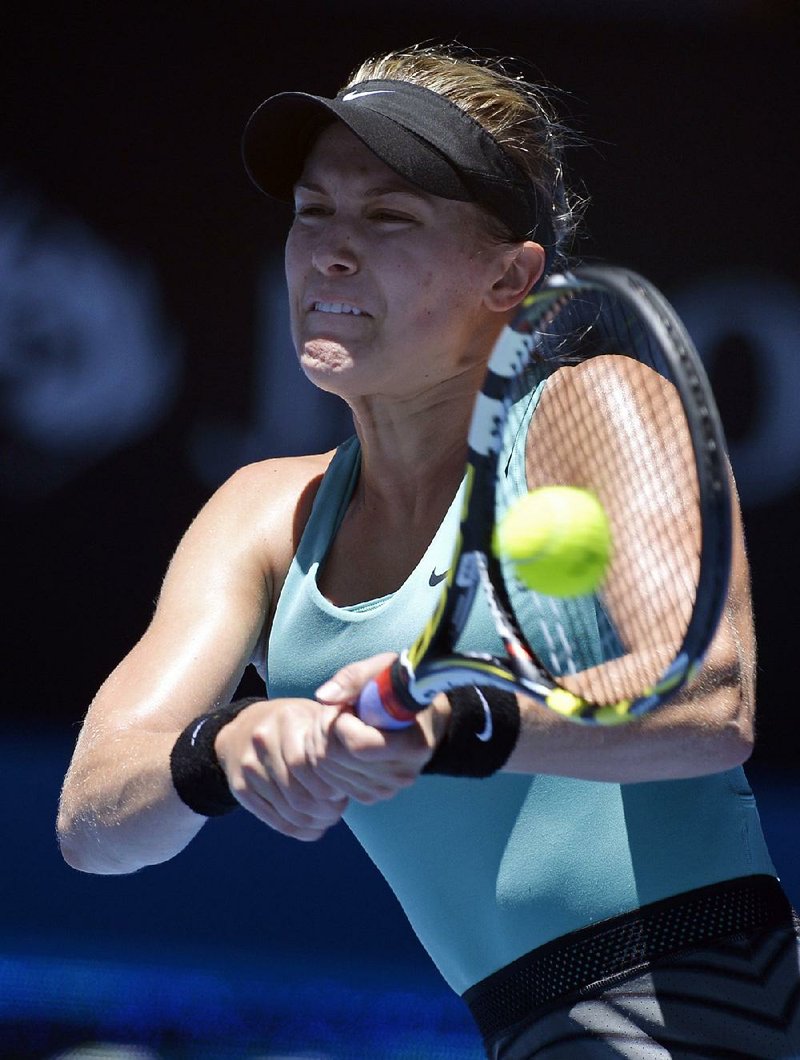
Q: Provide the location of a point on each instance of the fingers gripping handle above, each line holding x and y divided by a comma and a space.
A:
379, 704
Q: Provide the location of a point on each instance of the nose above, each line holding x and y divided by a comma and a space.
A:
334, 251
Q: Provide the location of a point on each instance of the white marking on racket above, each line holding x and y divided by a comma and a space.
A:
508, 353
484, 437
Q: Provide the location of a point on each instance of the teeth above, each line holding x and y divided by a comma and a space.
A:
336, 307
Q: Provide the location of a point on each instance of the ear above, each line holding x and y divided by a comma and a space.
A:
522, 267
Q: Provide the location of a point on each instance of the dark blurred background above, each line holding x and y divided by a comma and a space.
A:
144, 354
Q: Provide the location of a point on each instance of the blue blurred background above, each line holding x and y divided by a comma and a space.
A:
144, 354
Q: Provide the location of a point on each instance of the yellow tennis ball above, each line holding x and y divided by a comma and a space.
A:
558, 539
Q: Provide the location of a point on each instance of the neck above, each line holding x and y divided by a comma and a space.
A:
413, 450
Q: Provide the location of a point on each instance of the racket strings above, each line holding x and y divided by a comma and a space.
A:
604, 415
649, 591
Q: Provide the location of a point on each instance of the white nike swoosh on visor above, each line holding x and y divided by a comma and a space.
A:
486, 732
369, 92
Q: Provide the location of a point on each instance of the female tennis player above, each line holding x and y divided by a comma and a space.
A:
591, 892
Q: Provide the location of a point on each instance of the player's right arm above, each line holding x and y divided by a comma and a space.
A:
119, 810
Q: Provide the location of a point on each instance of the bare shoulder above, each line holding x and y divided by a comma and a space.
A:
261, 510
600, 408
266, 487
216, 599
620, 385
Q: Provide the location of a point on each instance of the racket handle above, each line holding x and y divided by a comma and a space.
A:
379, 705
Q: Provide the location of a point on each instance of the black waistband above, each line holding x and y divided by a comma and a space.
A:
571, 965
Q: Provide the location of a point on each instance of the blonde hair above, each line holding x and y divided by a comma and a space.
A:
516, 113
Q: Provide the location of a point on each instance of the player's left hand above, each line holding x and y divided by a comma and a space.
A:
386, 761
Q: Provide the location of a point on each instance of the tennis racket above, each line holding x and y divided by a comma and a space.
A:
595, 384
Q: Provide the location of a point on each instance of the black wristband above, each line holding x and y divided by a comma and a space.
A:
481, 734
197, 776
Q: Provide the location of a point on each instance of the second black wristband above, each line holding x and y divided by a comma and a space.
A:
481, 734
197, 776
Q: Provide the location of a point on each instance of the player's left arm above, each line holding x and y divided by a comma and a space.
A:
707, 727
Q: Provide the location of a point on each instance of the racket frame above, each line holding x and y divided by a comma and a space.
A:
430, 666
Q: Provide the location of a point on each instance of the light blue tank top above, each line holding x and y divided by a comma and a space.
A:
487, 870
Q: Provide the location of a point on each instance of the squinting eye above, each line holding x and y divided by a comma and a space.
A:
392, 218
310, 210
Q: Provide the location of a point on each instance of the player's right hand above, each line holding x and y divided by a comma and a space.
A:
270, 752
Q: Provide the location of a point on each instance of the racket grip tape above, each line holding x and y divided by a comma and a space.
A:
383, 701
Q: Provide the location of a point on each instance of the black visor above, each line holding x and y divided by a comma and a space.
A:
421, 135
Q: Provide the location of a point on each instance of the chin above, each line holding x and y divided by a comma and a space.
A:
327, 364
325, 355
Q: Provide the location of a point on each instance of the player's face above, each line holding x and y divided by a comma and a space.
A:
386, 283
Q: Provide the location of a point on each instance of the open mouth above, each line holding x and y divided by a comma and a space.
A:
337, 308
